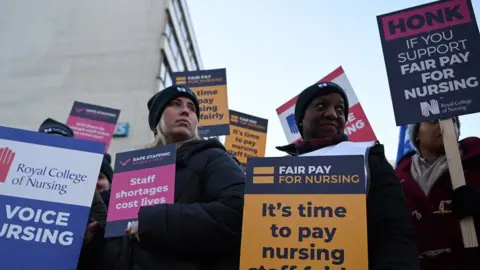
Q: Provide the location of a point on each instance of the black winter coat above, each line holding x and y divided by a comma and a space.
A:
391, 238
90, 255
202, 229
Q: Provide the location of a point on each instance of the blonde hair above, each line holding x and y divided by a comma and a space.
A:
161, 136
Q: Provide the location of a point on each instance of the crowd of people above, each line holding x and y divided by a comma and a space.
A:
413, 213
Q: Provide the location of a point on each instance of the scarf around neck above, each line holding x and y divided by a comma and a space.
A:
427, 173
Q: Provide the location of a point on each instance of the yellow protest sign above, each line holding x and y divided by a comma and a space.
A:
305, 213
248, 136
210, 86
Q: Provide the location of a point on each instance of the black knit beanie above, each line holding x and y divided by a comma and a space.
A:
313, 91
51, 126
156, 105
107, 167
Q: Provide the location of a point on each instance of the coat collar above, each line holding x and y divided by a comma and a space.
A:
303, 147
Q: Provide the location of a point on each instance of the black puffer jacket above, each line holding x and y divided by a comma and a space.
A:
391, 239
202, 229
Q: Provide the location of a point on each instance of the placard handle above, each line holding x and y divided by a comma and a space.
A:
457, 177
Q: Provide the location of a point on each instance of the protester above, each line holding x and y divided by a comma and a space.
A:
104, 181
202, 229
320, 114
436, 208
93, 239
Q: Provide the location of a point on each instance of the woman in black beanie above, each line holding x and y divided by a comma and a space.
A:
202, 228
104, 181
321, 112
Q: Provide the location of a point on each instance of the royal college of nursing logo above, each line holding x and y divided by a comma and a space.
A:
6, 160
430, 107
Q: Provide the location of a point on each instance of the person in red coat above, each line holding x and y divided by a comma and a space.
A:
436, 208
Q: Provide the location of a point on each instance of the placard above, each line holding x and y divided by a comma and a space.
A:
248, 136
46, 190
210, 87
141, 178
432, 57
93, 122
305, 213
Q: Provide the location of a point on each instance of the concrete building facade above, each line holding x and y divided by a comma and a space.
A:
114, 53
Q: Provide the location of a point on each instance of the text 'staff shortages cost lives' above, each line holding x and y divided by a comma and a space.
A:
432, 57
305, 213
142, 178
92, 122
210, 86
46, 189
248, 136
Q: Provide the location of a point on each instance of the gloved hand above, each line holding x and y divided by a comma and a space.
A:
133, 231
466, 201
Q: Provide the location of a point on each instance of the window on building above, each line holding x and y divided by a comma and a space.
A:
194, 64
183, 30
180, 63
168, 80
185, 38
164, 74
168, 30
178, 10
174, 46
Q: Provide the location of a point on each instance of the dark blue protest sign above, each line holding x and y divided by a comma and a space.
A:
432, 57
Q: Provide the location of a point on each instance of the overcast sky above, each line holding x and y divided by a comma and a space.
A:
273, 49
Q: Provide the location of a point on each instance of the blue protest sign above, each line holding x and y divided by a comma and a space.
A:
432, 57
46, 189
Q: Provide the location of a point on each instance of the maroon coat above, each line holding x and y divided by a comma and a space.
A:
439, 238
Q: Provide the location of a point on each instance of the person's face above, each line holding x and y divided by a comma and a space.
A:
429, 136
102, 183
324, 117
180, 119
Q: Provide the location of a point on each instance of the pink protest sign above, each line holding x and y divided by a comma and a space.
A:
142, 178
92, 122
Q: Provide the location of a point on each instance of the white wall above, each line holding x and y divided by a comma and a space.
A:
53, 52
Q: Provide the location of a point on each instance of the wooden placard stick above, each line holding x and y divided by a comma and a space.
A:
458, 178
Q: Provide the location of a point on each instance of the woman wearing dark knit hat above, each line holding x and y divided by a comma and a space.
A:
321, 111
104, 180
202, 229
436, 208
54, 127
